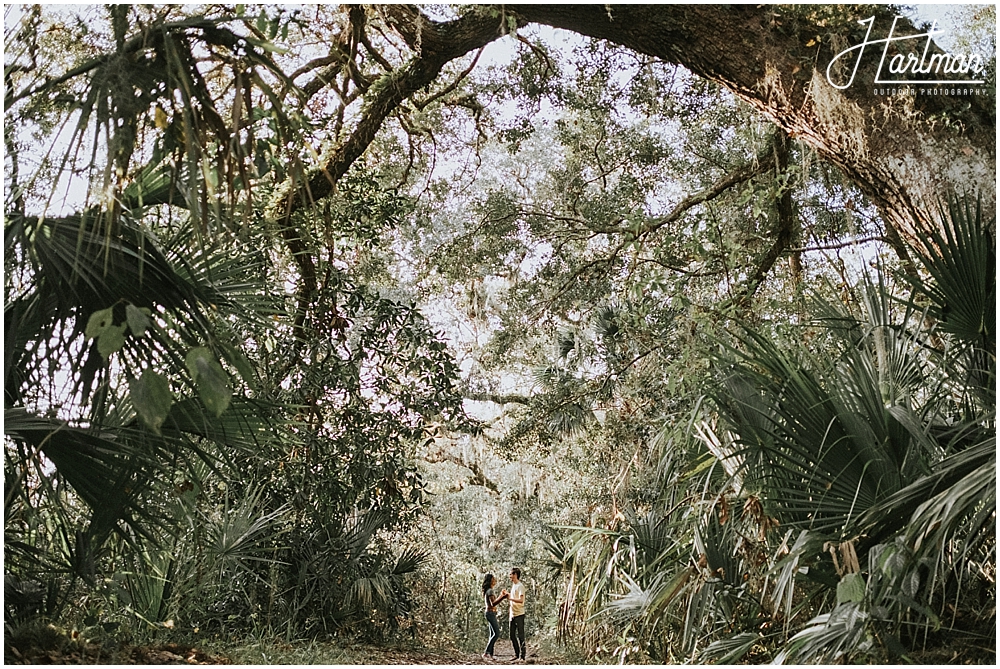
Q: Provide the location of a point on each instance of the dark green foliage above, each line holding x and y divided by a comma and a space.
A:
165, 453
882, 485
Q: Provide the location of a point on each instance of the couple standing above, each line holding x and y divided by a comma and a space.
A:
516, 597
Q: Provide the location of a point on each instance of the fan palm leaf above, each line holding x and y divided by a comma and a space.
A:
74, 270
887, 442
960, 260
935, 505
828, 637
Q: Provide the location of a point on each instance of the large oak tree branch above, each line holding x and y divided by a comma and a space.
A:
497, 399
739, 175
439, 44
478, 475
775, 58
436, 44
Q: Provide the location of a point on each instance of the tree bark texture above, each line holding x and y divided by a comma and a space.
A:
906, 153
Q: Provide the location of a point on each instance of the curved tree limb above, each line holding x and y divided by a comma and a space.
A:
838, 245
497, 399
741, 174
775, 58
436, 44
422, 104
478, 475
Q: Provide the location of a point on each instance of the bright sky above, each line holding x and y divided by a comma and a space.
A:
952, 19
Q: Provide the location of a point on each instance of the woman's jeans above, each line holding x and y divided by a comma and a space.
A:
491, 618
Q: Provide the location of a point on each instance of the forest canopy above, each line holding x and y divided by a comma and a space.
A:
315, 315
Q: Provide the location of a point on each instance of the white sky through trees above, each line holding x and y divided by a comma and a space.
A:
71, 192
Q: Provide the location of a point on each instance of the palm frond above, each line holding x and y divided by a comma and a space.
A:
936, 505
235, 536
730, 650
961, 260
106, 470
409, 560
829, 637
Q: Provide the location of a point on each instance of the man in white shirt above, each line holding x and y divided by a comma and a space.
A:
517, 615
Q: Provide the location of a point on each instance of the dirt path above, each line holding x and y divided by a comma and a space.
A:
171, 653
61, 650
504, 655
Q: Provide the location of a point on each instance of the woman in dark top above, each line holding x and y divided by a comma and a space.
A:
491, 611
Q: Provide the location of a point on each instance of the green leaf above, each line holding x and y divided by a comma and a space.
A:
111, 340
851, 589
152, 398
266, 46
98, 322
730, 650
210, 378
911, 584
241, 363
137, 320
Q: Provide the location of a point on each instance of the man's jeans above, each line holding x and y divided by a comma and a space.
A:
517, 636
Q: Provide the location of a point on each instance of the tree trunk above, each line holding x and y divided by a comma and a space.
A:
906, 153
